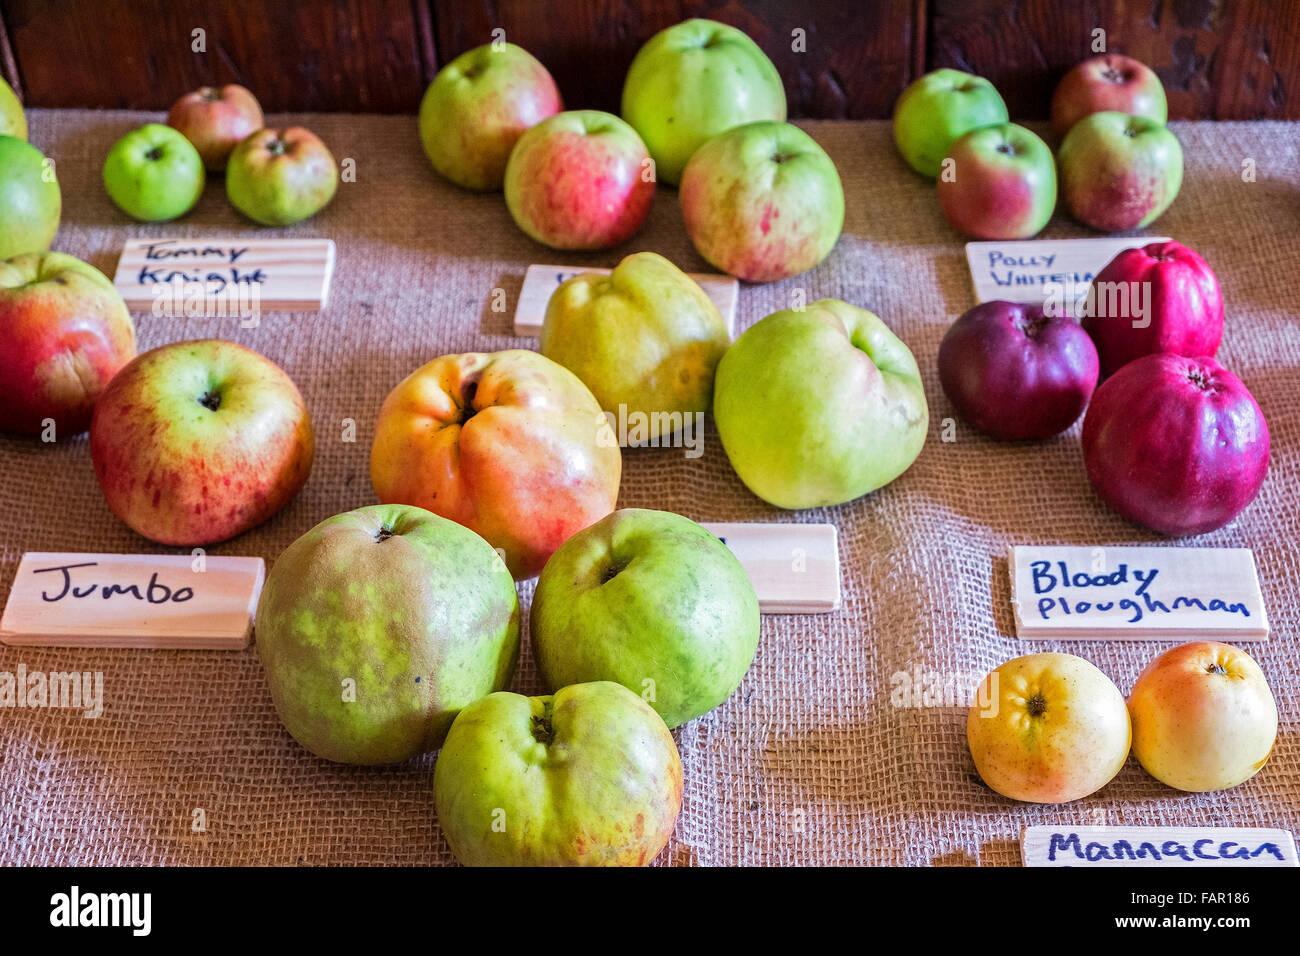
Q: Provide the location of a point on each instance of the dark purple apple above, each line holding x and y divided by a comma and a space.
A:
1014, 372
1175, 443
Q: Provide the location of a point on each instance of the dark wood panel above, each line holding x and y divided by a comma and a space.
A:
348, 55
1218, 59
859, 55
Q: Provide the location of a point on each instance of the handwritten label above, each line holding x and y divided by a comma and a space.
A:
1137, 593
123, 600
1092, 846
795, 568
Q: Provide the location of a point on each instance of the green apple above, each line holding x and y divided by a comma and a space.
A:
653, 601
30, 201
820, 405
937, 109
279, 177
12, 120
1119, 172
693, 81
645, 339
587, 777
378, 626
154, 173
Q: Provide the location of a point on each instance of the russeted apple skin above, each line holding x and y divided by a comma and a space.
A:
419, 611
819, 406
587, 777
648, 599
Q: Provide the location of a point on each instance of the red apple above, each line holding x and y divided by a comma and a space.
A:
215, 120
1175, 443
1000, 184
580, 180
1107, 82
1160, 298
196, 442
64, 332
1014, 372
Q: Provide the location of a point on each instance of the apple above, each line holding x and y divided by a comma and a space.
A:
1174, 443
30, 201
13, 122
819, 405
509, 444
589, 776
416, 611
216, 120
1016, 373
937, 109
762, 201
646, 338
1162, 297
693, 81
478, 106
579, 180
154, 174
1048, 728
1001, 184
1118, 171
281, 176
1203, 717
652, 601
64, 332
196, 442
1107, 83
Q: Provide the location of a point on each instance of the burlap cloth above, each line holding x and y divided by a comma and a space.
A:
809, 762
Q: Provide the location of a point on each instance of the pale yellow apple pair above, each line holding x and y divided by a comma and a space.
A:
1051, 728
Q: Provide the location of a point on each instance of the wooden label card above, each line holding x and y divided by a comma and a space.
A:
1043, 271
1137, 593
795, 568
1156, 846
132, 600
225, 277
541, 281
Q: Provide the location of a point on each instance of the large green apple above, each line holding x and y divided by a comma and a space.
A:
693, 81
820, 405
30, 201
937, 109
587, 777
154, 173
645, 339
12, 120
378, 626
653, 601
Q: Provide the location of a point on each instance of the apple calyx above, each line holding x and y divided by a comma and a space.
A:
1215, 668
1112, 75
210, 93
154, 154
277, 147
211, 400
1198, 377
1031, 323
383, 534
1036, 705
543, 731
613, 571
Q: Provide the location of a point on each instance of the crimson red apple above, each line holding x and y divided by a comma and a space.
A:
1176, 443
196, 442
64, 332
1014, 372
216, 120
1001, 183
580, 180
1162, 297
1107, 82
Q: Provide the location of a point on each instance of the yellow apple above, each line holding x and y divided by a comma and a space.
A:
1048, 728
1203, 717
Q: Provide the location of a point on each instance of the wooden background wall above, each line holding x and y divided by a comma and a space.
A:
1219, 59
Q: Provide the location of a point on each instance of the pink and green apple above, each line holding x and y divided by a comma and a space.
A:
196, 442
30, 201
13, 122
939, 108
762, 201
1107, 83
154, 173
377, 626
281, 176
693, 81
1000, 184
216, 120
589, 776
478, 106
1119, 172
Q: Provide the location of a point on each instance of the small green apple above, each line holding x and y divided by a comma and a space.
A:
587, 777
279, 177
820, 405
154, 173
12, 120
938, 108
30, 201
645, 337
653, 601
